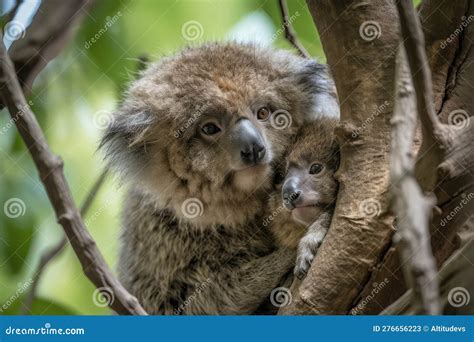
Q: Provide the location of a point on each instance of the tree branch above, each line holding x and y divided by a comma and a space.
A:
415, 46
56, 250
434, 134
455, 278
411, 208
446, 44
50, 29
50, 168
452, 64
290, 34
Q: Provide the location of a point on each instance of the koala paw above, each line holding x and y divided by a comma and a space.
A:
302, 266
306, 252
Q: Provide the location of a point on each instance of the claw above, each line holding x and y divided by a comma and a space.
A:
300, 274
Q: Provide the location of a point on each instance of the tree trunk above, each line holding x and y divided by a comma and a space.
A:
452, 66
357, 268
353, 37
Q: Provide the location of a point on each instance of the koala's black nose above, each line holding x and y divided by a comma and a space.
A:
291, 193
253, 154
249, 142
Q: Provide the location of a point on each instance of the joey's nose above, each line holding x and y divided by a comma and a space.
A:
291, 194
253, 153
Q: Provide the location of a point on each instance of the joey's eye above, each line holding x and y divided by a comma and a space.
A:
263, 113
278, 178
210, 129
316, 168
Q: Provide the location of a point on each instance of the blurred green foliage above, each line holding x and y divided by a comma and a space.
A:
70, 96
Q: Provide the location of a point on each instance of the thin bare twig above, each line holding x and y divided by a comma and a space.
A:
290, 34
56, 250
411, 207
50, 168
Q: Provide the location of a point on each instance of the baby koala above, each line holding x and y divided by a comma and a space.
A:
307, 190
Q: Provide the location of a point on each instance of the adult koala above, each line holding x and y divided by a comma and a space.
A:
197, 140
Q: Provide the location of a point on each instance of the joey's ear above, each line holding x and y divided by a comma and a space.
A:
317, 82
125, 140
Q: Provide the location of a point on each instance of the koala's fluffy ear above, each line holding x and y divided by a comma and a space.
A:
317, 81
125, 140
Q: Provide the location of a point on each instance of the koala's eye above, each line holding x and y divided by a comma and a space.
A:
263, 113
210, 129
316, 168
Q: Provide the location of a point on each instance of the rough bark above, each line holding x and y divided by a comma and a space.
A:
411, 207
455, 278
50, 168
361, 228
453, 79
433, 133
449, 48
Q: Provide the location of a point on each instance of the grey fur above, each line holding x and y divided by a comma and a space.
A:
221, 261
315, 143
